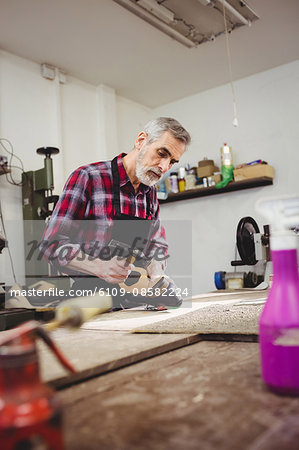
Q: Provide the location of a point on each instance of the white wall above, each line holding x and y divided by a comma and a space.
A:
37, 112
268, 111
87, 123
28, 120
79, 125
131, 118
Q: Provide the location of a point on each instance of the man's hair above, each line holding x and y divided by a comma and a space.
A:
155, 128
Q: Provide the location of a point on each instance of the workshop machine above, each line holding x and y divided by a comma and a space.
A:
10, 318
254, 250
38, 204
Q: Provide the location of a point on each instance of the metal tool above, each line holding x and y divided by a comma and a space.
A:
75, 311
38, 204
139, 281
138, 277
37, 188
254, 250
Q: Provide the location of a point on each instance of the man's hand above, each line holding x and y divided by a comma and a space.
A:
113, 271
155, 271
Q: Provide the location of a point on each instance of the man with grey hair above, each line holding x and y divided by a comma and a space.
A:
114, 191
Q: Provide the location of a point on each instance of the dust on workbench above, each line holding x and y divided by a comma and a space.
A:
208, 396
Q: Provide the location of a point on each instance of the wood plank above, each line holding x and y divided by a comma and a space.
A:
206, 396
95, 352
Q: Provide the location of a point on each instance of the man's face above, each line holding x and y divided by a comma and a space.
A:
157, 158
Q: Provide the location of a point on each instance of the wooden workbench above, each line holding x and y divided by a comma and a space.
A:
166, 391
208, 395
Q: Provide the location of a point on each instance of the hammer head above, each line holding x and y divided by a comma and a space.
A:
130, 253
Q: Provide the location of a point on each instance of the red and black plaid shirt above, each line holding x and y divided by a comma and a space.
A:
88, 195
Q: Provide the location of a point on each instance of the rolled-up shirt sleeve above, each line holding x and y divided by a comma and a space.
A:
58, 246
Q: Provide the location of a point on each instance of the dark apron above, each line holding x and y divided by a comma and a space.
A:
123, 233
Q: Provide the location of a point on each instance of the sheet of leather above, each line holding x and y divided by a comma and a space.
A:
96, 349
215, 319
133, 319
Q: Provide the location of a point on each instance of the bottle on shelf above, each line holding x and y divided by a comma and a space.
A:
181, 179
226, 155
227, 168
174, 184
190, 177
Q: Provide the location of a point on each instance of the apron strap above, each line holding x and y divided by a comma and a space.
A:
116, 192
148, 205
115, 187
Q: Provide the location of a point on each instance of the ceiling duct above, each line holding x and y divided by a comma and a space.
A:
157, 10
192, 22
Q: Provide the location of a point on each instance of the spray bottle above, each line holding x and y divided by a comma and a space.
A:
30, 413
279, 321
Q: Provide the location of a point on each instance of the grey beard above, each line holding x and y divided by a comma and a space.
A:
143, 173
146, 177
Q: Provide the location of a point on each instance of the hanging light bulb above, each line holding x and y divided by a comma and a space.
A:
235, 120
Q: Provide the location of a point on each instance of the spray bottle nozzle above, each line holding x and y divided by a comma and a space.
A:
281, 212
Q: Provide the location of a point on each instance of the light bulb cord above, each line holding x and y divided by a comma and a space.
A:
235, 121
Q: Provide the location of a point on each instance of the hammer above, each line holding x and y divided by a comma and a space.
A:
138, 278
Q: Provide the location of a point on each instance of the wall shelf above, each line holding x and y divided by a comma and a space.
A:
232, 186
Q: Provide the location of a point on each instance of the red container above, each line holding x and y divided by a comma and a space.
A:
30, 414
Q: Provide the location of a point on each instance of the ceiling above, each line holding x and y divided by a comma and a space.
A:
100, 42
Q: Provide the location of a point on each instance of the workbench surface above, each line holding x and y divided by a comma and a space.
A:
107, 343
208, 395
169, 391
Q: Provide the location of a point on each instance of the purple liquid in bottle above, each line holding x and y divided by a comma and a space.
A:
279, 326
